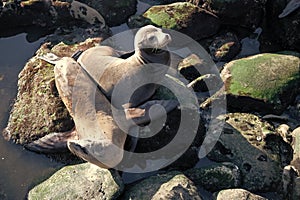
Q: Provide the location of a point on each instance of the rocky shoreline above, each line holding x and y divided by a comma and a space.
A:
257, 155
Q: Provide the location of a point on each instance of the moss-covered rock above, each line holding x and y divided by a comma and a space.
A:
82, 181
172, 185
255, 147
38, 109
265, 82
215, 177
182, 16
240, 194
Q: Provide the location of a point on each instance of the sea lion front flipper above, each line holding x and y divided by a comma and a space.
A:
147, 111
51, 143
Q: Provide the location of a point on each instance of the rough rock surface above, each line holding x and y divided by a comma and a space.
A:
275, 85
247, 13
83, 181
38, 109
254, 146
115, 12
283, 31
296, 147
215, 177
171, 185
240, 194
182, 16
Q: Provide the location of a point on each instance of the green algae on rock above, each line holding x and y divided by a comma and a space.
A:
82, 181
184, 17
38, 109
255, 147
171, 185
215, 177
265, 82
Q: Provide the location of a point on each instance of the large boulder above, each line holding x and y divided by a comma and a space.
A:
115, 12
82, 181
247, 13
181, 16
266, 83
255, 147
38, 109
172, 185
240, 194
215, 177
47, 14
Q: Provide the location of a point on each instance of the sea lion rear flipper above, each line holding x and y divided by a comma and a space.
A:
51, 143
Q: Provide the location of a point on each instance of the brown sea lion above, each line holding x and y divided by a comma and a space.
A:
97, 138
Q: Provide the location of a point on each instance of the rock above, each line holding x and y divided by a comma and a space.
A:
296, 191
247, 14
115, 12
283, 31
2, 194
172, 185
240, 194
296, 147
266, 83
47, 14
165, 136
225, 47
215, 177
291, 183
200, 72
254, 146
160, 2
38, 109
182, 16
83, 181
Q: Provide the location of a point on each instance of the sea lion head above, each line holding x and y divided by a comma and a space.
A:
150, 37
102, 153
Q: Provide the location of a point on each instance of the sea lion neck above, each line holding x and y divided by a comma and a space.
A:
146, 56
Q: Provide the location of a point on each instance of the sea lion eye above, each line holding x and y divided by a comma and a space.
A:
151, 38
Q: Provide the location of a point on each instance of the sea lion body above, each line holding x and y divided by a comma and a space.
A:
97, 138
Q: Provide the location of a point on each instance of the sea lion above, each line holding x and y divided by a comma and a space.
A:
97, 138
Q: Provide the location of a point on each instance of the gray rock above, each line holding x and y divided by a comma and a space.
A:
115, 12
172, 185
239, 194
225, 47
291, 183
296, 147
83, 181
247, 13
283, 31
215, 177
255, 147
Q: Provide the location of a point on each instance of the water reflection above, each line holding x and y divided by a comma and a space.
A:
18, 167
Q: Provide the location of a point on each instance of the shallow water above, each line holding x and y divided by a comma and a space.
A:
18, 167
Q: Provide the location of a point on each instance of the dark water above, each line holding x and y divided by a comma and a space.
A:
18, 168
